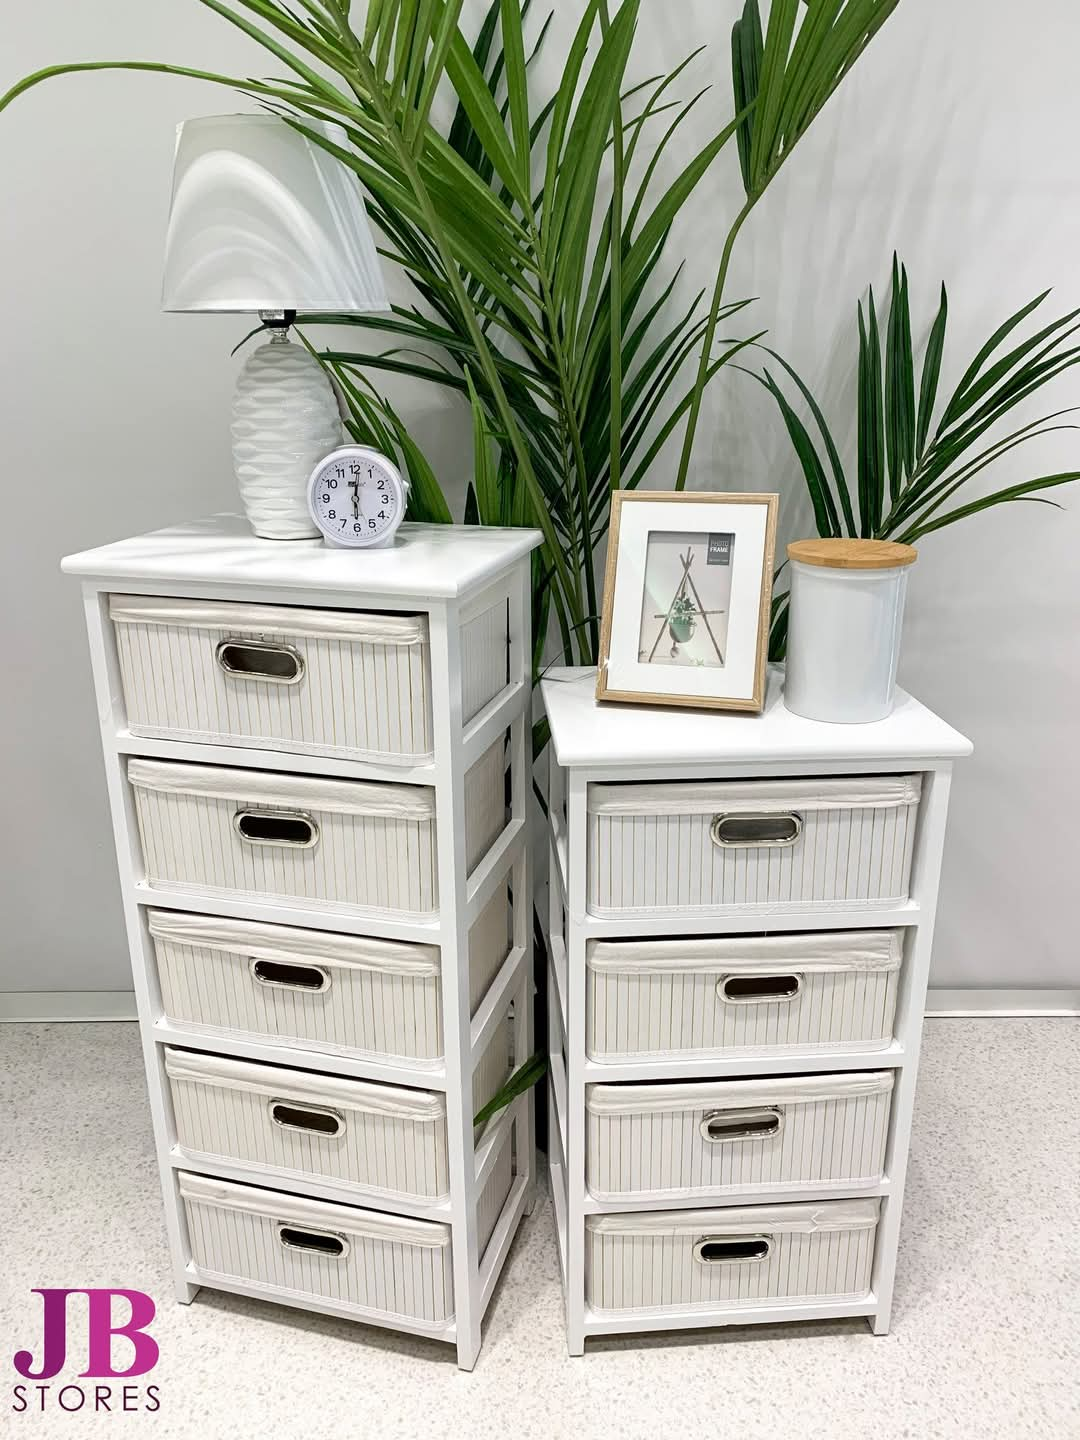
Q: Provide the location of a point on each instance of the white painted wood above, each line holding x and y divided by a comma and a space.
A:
471, 587
620, 737
639, 749
426, 562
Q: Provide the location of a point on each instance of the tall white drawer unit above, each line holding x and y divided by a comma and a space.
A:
318, 765
741, 918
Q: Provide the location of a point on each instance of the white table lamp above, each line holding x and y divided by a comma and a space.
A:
265, 221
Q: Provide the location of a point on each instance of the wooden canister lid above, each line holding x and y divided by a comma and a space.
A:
842, 554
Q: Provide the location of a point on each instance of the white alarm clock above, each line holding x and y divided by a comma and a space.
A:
357, 497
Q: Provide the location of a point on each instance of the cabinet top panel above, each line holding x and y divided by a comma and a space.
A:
591, 735
427, 561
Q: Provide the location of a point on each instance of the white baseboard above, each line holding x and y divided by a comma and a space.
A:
58, 1005
1001, 1004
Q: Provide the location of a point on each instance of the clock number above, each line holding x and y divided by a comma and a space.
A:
382, 514
355, 468
341, 470
356, 527
371, 524
330, 514
326, 498
332, 484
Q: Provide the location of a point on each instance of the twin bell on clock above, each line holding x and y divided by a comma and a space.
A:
265, 220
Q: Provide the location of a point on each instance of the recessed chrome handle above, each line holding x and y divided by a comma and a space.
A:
295, 829
720, 1126
732, 1249
312, 979
313, 1242
310, 1119
741, 832
758, 989
260, 660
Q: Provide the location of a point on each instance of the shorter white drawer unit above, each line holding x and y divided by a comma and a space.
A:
319, 770
710, 1138
330, 844
774, 844
742, 995
295, 1124
338, 993
767, 1256
740, 922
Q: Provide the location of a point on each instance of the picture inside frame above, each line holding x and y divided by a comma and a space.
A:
686, 604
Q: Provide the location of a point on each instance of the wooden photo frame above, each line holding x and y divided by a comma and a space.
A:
687, 596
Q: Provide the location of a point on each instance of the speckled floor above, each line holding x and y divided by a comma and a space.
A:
986, 1331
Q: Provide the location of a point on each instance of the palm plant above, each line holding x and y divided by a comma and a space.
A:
543, 305
910, 467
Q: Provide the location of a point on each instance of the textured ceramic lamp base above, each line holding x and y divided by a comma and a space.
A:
285, 419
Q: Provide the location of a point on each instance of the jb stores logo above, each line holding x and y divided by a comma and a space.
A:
109, 1333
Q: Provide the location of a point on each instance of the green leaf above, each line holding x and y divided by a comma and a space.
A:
1023, 491
871, 424
517, 88
746, 52
931, 371
899, 385
825, 516
954, 407
523, 1079
487, 490
839, 479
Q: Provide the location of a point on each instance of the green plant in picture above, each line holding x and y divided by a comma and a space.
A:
534, 233
915, 454
681, 621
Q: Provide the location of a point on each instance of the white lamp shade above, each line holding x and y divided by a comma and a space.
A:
262, 218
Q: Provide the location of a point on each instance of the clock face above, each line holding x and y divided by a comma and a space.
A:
357, 497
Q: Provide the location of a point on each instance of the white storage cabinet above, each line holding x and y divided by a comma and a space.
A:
326, 887
740, 925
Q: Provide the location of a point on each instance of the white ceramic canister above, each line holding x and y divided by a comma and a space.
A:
847, 610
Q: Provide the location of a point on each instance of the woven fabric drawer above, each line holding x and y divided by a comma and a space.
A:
284, 1124
727, 1137
290, 1246
753, 995
327, 844
337, 993
320, 682
769, 844
723, 1259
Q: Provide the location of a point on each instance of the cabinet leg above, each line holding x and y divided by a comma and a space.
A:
185, 1291
879, 1323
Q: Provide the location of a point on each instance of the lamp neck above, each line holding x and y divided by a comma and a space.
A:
278, 322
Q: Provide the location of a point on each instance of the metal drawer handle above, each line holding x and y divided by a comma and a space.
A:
311, 978
720, 1126
758, 989
313, 1242
311, 1119
752, 831
260, 660
292, 828
732, 1249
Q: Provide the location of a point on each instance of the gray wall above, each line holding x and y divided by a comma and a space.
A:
952, 142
